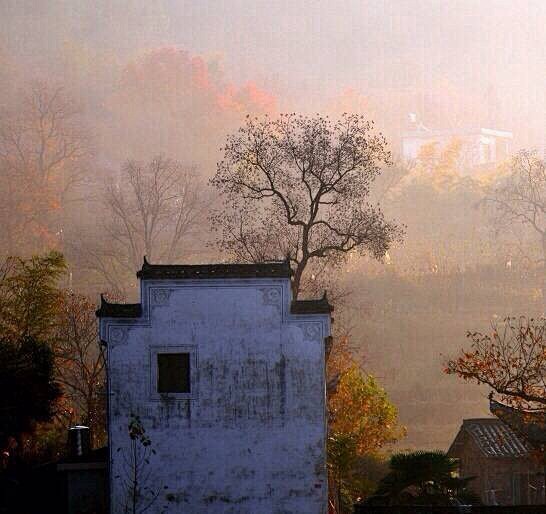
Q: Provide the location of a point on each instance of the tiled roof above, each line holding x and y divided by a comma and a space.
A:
529, 425
118, 310
277, 269
494, 438
211, 271
321, 306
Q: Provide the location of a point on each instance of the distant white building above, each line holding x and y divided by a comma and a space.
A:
480, 146
227, 376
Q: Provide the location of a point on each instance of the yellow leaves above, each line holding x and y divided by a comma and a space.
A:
361, 408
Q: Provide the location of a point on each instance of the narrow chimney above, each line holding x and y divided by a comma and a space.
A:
79, 441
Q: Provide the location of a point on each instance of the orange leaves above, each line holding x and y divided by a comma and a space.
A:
186, 99
174, 78
42, 146
511, 360
248, 98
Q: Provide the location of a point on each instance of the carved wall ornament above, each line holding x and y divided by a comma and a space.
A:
272, 296
117, 336
160, 296
311, 331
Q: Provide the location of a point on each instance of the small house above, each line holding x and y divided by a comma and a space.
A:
505, 471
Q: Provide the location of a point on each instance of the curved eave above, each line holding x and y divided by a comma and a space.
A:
311, 307
118, 310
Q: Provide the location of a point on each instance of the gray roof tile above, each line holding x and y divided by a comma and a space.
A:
494, 438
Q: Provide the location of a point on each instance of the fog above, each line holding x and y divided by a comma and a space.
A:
139, 79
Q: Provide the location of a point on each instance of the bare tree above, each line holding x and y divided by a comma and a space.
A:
42, 147
519, 203
79, 362
297, 187
151, 210
136, 473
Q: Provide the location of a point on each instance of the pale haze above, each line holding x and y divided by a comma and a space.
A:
176, 77
307, 54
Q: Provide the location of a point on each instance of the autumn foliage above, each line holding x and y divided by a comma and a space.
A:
510, 359
42, 150
362, 409
362, 421
170, 101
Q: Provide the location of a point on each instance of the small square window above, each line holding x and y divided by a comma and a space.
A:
173, 373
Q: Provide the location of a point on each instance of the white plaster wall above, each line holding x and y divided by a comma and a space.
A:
252, 439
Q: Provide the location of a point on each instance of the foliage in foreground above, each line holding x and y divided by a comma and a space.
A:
29, 295
362, 422
51, 366
28, 387
423, 478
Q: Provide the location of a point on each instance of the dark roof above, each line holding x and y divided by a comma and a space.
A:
134, 310
529, 425
321, 306
277, 269
494, 438
118, 310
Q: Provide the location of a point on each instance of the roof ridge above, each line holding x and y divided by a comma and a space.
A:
268, 269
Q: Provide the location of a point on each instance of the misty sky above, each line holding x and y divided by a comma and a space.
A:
174, 77
307, 52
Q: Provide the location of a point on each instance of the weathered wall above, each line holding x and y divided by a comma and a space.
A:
251, 439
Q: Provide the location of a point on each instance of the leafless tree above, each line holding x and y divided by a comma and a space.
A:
519, 207
151, 210
136, 473
42, 148
298, 187
79, 362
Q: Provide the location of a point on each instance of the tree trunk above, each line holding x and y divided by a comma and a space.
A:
296, 285
543, 283
135, 477
298, 273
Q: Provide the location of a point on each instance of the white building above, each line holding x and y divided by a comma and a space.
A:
227, 376
481, 146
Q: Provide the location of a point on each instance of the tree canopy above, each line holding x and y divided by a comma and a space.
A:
152, 210
518, 202
43, 148
29, 390
362, 422
29, 295
423, 478
80, 364
298, 186
510, 359
361, 409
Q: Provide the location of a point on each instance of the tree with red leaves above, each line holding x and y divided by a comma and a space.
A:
511, 360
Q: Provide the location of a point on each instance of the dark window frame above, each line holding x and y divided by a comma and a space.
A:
173, 372
154, 351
